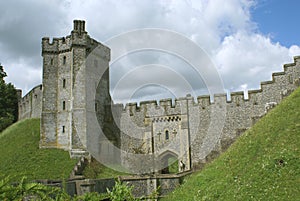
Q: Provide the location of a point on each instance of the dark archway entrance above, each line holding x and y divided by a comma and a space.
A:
169, 163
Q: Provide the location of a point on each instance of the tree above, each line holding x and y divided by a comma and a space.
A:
2, 73
8, 102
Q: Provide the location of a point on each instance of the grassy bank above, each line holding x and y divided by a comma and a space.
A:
263, 164
20, 154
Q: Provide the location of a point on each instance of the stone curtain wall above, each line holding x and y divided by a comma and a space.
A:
30, 106
240, 114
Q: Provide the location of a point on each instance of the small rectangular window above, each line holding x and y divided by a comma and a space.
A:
291, 79
64, 83
167, 134
63, 129
96, 107
51, 62
64, 105
64, 60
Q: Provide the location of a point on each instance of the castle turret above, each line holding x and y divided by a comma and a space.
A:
70, 93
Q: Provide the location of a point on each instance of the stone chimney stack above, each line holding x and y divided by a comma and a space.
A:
79, 26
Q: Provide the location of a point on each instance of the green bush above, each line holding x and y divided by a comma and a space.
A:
121, 192
25, 190
91, 196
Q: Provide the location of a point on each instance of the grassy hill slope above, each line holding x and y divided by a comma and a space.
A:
263, 164
20, 154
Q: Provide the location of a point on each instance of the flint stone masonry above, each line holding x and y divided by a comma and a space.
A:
75, 97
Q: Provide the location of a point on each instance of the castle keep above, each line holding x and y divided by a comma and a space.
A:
77, 113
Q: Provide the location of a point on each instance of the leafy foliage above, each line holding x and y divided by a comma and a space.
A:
121, 192
25, 190
8, 102
90, 196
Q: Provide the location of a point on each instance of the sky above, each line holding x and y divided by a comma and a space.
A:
246, 40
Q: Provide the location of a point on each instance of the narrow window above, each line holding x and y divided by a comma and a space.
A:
167, 134
237, 99
51, 61
291, 79
255, 101
63, 129
64, 60
96, 107
64, 105
64, 83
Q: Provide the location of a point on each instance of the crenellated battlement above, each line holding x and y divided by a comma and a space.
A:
282, 83
57, 45
78, 38
167, 102
237, 98
49, 47
163, 103
296, 61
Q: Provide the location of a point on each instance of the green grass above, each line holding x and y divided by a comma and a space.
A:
173, 165
20, 154
263, 164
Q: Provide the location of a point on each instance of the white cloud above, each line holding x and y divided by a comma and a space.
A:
243, 56
22, 25
25, 76
249, 58
294, 50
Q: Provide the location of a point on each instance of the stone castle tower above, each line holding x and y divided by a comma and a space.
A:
76, 89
